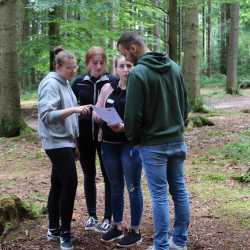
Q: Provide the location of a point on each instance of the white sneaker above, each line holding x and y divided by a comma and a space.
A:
173, 246
103, 227
151, 248
91, 223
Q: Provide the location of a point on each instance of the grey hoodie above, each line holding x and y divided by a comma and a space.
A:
55, 94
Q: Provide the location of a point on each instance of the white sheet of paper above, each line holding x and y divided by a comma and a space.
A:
109, 115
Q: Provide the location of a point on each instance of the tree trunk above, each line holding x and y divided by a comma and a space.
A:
204, 34
10, 117
181, 34
191, 59
157, 31
209, 63
23, 38
173, 31
166, 34
54, 38
112, 28
225, 18
232, 53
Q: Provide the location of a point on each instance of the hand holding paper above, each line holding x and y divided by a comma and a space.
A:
109, 115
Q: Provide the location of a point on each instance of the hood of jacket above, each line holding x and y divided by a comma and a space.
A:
56, 76
159, 62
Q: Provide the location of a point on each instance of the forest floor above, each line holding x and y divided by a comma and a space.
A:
220, 205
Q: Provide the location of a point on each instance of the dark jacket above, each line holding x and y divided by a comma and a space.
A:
117, 100
86, 90
156, 105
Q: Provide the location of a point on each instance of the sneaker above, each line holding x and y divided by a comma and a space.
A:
113, 234
103, 227
53, 234
66, 241
91, 223
151, 248
173, 246
130, 239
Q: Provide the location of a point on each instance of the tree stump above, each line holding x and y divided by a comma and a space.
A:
197, 120
12, 211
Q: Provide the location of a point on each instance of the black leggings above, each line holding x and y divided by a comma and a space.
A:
88, 148
63, 187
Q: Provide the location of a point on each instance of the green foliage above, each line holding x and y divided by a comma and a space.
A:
215, 177
196, 105
239, 151
199, 121
244, 54
215, 80
29, 95
245, 13
36, 203
12, 211
244, 178
84, 24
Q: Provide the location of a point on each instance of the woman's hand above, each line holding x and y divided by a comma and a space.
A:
119, 127
77, 154
84, 110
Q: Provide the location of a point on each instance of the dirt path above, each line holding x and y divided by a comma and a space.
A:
25, 171
237, 102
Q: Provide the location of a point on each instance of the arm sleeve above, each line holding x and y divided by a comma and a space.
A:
105, 92
134, 109
49, 103
185, 107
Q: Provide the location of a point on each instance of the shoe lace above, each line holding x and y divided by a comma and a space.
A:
91, 220
105, 224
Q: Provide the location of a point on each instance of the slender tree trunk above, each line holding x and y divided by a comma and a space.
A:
54, 30
232, 53
112, 28
173, 31
204, 34
181, 34
191, 59
225, 16
23, 37
166, 34
34, 31
10, 117
209, 63
157, 31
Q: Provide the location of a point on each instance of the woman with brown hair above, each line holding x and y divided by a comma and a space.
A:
87, 88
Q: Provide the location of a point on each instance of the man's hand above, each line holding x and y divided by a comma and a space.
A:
119, 127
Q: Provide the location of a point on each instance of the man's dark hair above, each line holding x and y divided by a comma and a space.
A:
130, 37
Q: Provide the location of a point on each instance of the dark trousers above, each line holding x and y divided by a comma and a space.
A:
63, 187
88, 149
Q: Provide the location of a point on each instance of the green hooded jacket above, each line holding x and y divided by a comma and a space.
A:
156, 102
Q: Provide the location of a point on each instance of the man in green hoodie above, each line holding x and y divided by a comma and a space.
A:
155, 116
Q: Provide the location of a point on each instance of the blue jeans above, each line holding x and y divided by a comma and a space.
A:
164, 166
122, 160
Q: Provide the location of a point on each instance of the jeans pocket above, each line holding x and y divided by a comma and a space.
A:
179, 150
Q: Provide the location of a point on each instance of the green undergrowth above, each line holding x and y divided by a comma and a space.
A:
29, 98
222, 178
14, 210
